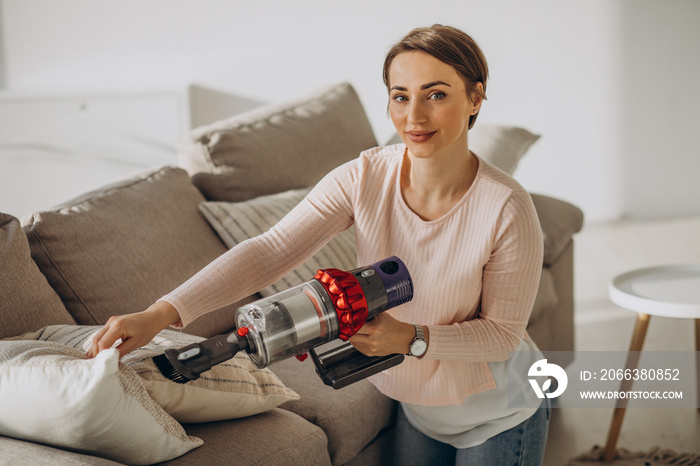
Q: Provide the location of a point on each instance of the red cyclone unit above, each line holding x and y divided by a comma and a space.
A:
348, 298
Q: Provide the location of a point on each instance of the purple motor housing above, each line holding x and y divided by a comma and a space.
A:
396, 280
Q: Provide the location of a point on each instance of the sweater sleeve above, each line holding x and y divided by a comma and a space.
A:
509, 287
260, 261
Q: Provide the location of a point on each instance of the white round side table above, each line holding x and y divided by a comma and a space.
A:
666, 291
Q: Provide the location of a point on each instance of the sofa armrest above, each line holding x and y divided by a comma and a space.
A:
559, 221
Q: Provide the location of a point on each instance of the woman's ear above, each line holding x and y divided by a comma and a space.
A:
478, 96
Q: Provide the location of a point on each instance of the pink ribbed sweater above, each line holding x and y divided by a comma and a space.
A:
475, 270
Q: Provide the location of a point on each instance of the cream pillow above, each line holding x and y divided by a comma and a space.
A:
500, 145
237, 221
51, 394
232, 389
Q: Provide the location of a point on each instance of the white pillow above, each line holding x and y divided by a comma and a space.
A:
230, 390
51, 394
237, 221
500, 145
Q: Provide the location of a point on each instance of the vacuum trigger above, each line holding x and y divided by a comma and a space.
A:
302, 357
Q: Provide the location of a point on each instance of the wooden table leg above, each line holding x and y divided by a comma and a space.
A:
697, 361
640, 331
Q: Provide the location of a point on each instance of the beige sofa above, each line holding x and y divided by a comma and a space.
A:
117, 249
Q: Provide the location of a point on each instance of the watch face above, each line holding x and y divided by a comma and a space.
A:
418, 348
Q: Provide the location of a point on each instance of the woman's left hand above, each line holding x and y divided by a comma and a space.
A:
383, 335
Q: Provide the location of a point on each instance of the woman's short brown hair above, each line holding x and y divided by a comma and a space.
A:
449, 45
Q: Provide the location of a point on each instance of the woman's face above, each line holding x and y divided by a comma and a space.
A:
428, 104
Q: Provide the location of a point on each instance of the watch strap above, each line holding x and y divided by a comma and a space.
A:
420, 334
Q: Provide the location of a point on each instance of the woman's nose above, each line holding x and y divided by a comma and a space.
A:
416, 112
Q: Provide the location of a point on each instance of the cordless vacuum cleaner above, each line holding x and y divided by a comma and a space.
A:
335, 304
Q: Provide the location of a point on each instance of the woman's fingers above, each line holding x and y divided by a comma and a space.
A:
92, 351
134, 330
383, 335
107, 336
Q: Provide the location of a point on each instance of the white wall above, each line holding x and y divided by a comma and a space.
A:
610, 85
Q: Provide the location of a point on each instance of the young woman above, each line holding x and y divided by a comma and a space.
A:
468, 233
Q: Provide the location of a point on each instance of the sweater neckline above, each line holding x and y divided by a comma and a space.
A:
449, 213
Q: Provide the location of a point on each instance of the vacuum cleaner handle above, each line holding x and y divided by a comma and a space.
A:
344, 365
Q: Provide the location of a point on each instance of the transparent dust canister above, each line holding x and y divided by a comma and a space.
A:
289, 323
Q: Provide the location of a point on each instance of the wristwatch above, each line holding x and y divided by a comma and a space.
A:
418, 346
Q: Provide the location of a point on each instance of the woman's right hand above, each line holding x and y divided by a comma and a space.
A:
135, 330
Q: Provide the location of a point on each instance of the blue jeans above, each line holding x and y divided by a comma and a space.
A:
523, 445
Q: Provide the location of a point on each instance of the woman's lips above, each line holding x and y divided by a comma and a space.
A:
420, 136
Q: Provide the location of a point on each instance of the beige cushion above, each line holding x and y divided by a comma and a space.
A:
119, 249
500, 145
277, 148
237, 221
26, 299
230, 390
559, 221
51, 394
351, 417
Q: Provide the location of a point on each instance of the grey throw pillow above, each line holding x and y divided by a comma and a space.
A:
279, 147
117, 250
27, 301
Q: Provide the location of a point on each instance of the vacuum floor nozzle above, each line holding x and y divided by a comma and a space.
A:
166, 368
187, 363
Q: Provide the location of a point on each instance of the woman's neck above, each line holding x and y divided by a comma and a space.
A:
432, 178
432, 186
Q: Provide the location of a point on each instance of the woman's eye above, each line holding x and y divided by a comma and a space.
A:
399, 98
437, 96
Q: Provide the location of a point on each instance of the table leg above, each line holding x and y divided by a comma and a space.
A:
640, 331
697, 361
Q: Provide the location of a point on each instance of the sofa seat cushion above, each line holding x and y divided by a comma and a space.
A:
351, 417
26, 298
277, 437
279, 147
559, 221
118, 249
22, 452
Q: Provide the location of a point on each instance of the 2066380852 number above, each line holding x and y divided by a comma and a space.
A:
639, 374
